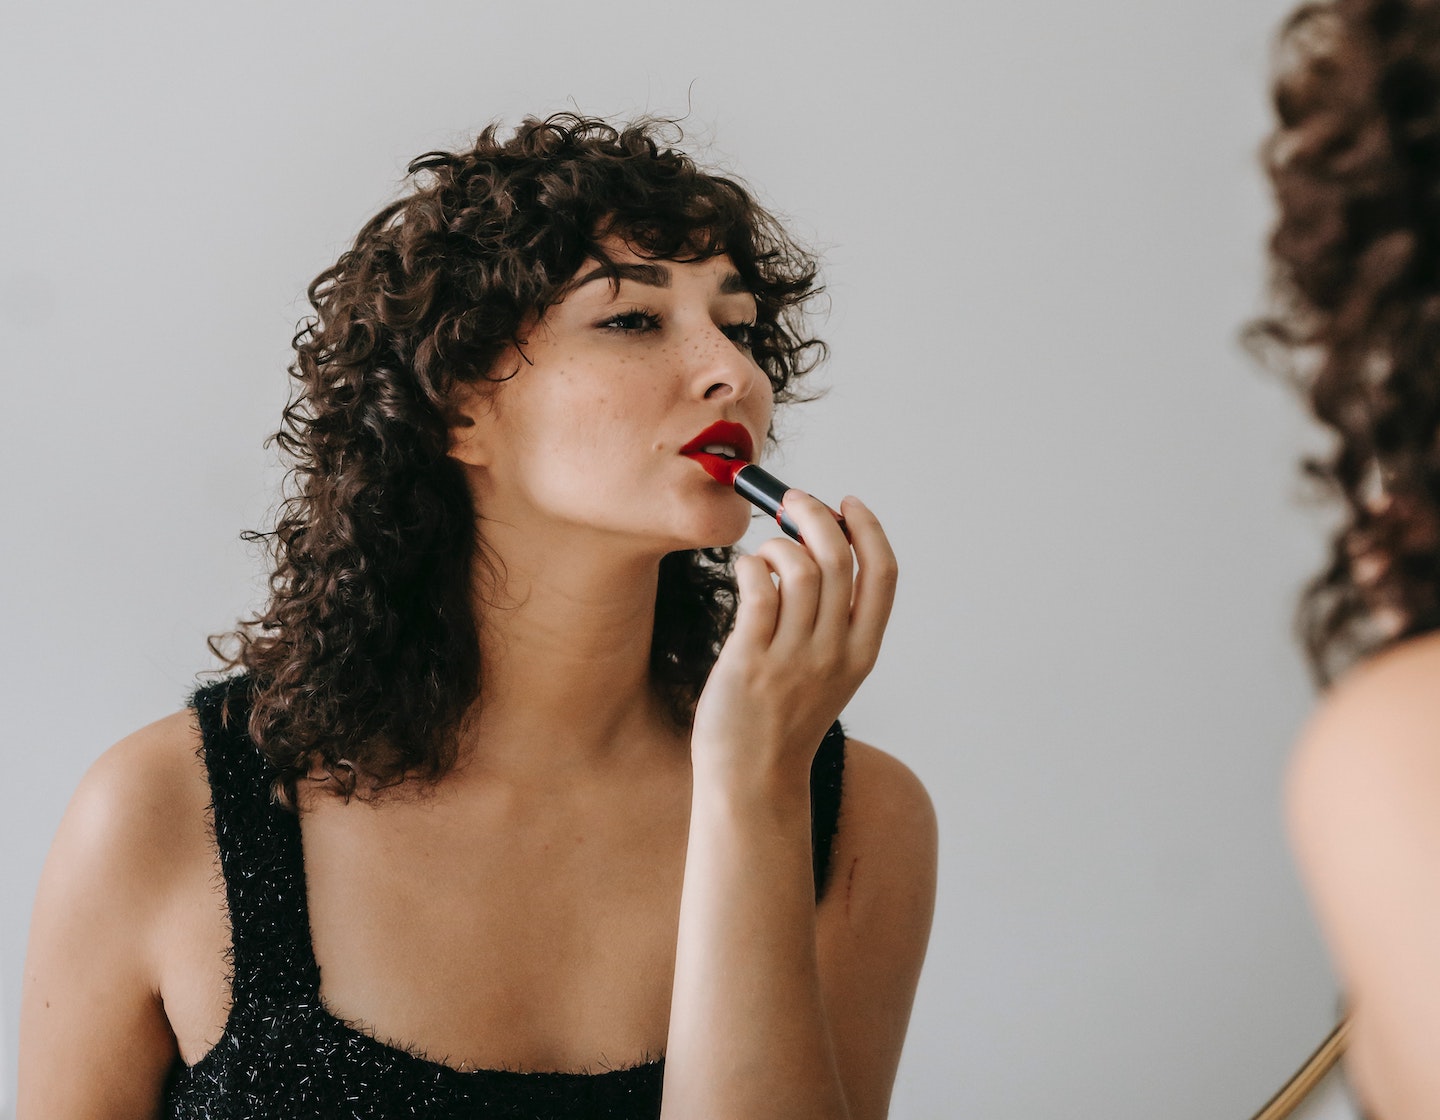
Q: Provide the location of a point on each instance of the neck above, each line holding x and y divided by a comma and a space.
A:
565, 638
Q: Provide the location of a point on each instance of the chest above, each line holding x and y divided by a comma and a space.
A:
510, 933
507, 935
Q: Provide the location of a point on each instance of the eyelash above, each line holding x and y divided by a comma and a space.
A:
745, 335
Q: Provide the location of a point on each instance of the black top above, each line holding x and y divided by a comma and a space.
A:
283, 1055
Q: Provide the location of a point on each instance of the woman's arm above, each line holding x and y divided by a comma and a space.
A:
94, 1038
1363, 804
875, 922
757, 1027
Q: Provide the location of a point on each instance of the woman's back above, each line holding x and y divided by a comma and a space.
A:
1354, 323
1364, 814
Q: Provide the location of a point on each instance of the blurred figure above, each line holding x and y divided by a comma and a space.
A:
1354, 322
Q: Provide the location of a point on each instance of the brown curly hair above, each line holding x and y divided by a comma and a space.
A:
1354, 315
365, 662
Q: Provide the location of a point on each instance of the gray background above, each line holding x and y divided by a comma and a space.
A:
1041, 225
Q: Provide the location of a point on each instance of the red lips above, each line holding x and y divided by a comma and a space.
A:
720, 468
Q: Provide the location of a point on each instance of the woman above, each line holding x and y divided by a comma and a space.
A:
1355, 161
555, 823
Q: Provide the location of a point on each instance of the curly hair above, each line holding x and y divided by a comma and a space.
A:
366, 660
1354, 307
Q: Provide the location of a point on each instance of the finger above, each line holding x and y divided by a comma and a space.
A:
830, 548
799, 592
876, 576
759, 602
835, 515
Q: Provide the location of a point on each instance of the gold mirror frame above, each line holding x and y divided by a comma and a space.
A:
1283, 1103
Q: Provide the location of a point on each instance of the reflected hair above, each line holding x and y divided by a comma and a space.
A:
365, 661
1354, 307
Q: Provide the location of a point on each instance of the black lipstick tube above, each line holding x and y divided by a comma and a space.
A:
766, 492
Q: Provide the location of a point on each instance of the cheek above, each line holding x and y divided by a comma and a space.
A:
582, 403
620, 413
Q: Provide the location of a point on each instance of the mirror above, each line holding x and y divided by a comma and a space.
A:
1041, 228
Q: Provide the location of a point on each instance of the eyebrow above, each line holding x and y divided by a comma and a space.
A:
657, 276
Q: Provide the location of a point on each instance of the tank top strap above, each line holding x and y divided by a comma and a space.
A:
827, 774
260, 853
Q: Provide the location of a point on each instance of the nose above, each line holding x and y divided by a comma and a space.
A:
724, 371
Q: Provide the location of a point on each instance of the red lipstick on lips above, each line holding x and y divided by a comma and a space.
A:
758, 487
725, 433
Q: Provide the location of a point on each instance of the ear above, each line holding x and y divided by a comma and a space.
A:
472, 424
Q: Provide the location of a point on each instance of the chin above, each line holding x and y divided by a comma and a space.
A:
719, 532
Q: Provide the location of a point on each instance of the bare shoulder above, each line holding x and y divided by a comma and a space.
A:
144, 800
1371, 751
1363, 809
883, 795
1362, 803
886, 844
873, 925
135, 828
124, 867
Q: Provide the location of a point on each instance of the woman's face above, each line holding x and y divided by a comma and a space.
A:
611, 385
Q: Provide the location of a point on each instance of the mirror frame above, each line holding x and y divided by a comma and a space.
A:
1294, 1091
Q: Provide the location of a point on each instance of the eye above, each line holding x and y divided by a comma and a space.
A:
747, 336
632, 322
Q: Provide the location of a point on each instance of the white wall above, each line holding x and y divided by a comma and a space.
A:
1042, 229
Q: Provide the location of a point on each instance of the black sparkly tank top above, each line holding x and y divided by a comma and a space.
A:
284, 1055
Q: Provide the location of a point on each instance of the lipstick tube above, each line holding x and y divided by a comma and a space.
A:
766, 492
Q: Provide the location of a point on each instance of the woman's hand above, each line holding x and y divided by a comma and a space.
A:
751, 1032
799, 650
